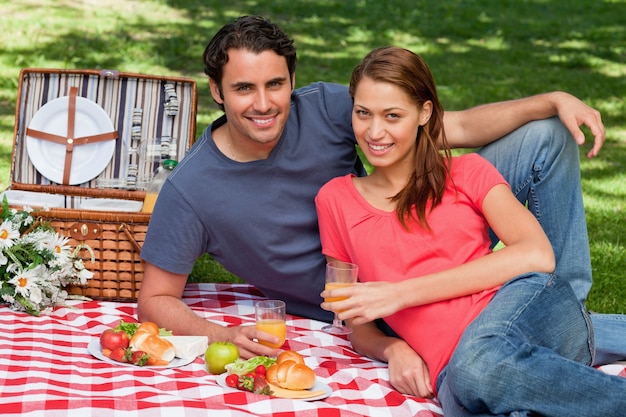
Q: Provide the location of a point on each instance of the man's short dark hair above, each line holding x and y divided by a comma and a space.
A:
252, 33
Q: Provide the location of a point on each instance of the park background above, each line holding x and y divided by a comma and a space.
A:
479, 51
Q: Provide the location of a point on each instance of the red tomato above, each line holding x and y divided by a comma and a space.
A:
232, 380
260, 370
113, 339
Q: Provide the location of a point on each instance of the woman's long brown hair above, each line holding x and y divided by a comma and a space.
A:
408, 71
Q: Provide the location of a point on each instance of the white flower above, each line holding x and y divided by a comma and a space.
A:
36, 265
8, 234
60, 248
26, 282
84, 275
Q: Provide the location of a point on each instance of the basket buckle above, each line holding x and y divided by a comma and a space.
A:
84, 231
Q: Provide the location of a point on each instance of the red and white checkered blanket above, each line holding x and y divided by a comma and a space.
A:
46, 369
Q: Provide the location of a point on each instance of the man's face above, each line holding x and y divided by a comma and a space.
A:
256, 92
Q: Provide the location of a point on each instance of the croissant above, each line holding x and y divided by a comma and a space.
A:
290, 372
146, 339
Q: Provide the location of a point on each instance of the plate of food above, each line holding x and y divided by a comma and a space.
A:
319, 391
96, 350
284, 377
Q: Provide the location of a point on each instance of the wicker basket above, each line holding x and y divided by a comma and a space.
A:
112, 239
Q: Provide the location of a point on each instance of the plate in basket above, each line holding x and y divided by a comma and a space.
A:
88, 160
96, 350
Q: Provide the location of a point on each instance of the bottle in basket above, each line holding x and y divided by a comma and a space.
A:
157, 182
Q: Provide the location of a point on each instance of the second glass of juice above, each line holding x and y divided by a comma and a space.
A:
270, 318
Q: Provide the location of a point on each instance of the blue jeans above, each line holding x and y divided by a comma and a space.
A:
528, 353
541, 162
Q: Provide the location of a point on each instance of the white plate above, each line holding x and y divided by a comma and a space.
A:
33, 199
95, 349
110, 204
319, 385
88, 160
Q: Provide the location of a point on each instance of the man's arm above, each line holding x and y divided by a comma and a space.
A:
484, 124
160, 301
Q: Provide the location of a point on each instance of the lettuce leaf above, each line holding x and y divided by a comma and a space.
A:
243, 367
131, 328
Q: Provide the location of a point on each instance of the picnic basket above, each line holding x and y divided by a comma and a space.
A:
87, 180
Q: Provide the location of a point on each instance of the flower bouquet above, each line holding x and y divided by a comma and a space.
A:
36, 263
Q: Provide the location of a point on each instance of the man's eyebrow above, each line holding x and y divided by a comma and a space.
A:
240, 84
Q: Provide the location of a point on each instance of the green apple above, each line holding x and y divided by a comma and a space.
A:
220, 354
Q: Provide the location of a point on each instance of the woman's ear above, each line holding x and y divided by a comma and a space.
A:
425, 112
216, 92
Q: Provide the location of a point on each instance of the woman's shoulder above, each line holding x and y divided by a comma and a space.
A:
471, 162
334, 186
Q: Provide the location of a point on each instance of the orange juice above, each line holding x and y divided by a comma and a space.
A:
274, 327
335, 285
148, 203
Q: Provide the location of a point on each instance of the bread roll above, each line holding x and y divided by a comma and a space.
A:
290, 372
153, 345
290, 355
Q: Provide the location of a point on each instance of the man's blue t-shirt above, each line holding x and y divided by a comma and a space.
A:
258, 218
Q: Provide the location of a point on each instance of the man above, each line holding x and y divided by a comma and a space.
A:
245, 191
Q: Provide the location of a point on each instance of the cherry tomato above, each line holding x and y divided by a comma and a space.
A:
260, 370
232, 380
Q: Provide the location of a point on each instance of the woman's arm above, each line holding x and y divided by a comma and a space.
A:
527, 249
407, 371
484, 124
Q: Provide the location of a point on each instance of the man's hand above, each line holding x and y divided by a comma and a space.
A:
574, 113
243, 337
160, 302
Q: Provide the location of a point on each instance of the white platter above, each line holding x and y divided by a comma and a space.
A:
96, 350
33, 199
319, 386
110, 204
88, 160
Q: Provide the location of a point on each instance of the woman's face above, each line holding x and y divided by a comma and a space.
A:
386, 121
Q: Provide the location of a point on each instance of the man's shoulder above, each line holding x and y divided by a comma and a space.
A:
320, 87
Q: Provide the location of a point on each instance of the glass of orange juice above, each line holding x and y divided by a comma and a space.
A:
339, 275
270, 318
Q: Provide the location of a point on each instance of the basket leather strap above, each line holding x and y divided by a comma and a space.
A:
70, 141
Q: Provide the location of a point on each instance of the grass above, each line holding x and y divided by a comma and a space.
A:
480, 51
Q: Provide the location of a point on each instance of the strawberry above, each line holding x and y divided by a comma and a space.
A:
253, 383
139, 358
120, 354
261, 386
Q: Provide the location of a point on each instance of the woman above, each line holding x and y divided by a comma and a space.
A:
499, 333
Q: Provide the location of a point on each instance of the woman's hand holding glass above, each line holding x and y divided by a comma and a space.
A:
339, 275
369, 301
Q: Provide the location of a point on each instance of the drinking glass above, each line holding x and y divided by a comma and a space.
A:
270, 318
339, 275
